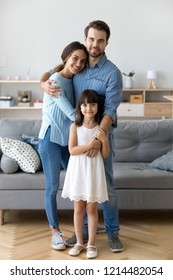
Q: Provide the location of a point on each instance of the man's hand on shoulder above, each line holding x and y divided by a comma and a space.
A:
52, 90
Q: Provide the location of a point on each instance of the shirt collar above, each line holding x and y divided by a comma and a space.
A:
100, 62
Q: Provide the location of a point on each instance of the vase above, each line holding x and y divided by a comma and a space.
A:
128, 83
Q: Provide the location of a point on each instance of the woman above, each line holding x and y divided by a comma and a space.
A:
58, 114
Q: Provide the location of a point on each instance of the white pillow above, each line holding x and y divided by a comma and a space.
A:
23, 153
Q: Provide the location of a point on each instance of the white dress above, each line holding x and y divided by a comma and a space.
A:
85, 177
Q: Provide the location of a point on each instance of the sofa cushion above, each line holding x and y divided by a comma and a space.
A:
164, 162
14, 128
23, 153
142, 141
8, 165
32, 140
138, 176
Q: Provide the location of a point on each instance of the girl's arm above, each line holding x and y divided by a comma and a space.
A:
103, 137
76, 149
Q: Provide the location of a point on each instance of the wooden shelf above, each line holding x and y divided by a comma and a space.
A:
21, 108
19, 82
154, 103
11, 88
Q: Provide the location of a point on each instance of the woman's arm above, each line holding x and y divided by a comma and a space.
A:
66, 107
62, 101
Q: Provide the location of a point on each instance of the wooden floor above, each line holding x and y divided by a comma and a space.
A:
146, 235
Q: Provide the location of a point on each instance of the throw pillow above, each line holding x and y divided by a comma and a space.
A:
164, 162
33, 141
8, 165
23, 153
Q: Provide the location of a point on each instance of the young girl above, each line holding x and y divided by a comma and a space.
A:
58, 114
85, 181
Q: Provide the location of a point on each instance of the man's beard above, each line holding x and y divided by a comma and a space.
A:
95, 54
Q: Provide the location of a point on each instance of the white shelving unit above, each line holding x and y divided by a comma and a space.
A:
19, 82
150, 103
11, 88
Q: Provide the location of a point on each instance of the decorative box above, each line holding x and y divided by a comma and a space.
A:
6, 101
24, 96
136, 98
38, 103
24, 104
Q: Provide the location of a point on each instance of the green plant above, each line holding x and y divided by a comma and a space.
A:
130, 74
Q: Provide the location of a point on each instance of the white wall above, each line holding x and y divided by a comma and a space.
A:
34, 32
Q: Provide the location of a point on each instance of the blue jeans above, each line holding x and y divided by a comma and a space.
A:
52, 156
110, 208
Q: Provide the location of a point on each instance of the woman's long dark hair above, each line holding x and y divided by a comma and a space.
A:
88, 96
67, 52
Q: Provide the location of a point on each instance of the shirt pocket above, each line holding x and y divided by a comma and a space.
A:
97, 85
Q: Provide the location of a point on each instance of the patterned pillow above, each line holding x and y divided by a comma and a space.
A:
33, 141
23, 153
164, 162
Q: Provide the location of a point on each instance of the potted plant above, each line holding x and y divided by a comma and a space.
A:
128, 79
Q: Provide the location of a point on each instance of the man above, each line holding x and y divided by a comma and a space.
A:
104, 77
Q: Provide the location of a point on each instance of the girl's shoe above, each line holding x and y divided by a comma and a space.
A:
76, 251
91, 254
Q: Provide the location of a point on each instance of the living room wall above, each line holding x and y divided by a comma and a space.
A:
34, 32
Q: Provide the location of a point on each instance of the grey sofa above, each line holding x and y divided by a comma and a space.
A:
139, 186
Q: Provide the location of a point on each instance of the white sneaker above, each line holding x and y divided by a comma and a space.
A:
57, 241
